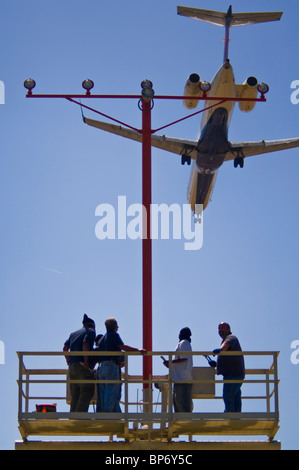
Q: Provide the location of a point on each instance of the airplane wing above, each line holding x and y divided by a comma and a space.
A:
188, 147
170, 144
249, 149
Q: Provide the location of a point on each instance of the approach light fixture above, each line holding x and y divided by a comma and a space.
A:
205, 86
146, 84
147, 89
263, 88
87, 85
29, 84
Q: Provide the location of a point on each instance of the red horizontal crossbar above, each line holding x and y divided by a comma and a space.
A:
31, 95
156, 97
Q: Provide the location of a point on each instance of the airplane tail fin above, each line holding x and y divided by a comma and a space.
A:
228, 19
237, 19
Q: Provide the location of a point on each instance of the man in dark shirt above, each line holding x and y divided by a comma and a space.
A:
231, 367
109, 368
80, 367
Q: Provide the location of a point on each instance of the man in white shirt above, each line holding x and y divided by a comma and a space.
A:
182, 370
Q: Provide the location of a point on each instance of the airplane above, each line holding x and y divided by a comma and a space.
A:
213, 148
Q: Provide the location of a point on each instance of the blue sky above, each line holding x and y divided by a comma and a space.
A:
55, 171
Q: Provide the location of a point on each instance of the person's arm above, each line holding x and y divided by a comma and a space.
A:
88, 343
86, 358
67, 358
224, 347
125, 347
175, 361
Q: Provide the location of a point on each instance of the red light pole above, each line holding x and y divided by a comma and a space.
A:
147, 243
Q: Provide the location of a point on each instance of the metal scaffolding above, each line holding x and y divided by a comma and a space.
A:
135, 428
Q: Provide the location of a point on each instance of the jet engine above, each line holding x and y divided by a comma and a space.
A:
192, 88
249, 89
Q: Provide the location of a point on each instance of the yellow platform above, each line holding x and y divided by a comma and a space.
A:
148, 429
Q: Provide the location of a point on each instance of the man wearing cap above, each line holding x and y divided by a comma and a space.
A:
80, 367
182, 370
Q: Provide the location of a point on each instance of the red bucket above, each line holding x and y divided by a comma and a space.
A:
46, 408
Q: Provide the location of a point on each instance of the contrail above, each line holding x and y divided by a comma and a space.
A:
50, 269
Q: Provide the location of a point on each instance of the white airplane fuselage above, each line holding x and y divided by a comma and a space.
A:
213, 136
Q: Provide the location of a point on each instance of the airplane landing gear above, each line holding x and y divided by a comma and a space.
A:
186, 159
239, 161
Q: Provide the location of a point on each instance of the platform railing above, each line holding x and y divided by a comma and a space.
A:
206, 384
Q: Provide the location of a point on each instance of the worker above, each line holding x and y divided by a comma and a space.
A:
231, 367
182, 370
109, 394
80, 367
